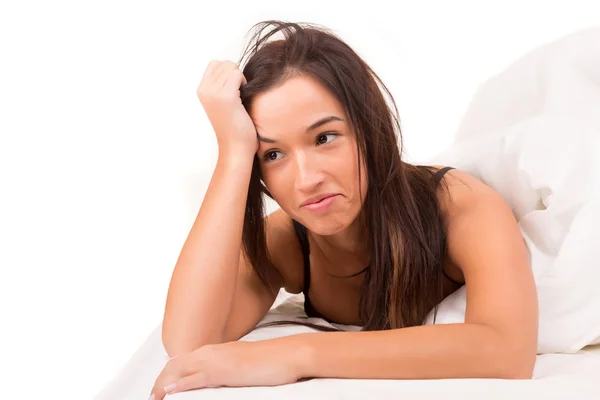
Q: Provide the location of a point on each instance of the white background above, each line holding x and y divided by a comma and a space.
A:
105, 151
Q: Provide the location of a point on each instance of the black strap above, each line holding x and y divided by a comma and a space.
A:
438, 177
440, 173
301, 233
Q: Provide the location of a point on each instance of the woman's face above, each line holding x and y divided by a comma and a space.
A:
308, 149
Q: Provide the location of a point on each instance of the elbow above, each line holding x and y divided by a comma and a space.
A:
177, 344
511, 363
522, 365
174, 346
512, 354
517, 369
173, 350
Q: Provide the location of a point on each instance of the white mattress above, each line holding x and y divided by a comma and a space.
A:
556, 376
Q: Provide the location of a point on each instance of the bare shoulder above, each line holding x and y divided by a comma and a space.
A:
471, 208
464, 191
284, 250
469, 205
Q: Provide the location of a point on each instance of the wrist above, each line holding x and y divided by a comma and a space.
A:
302, 355
236, 150
236, 159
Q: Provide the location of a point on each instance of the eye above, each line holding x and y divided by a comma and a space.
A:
320, 137
271, 156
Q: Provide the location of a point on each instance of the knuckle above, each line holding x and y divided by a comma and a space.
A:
231, 66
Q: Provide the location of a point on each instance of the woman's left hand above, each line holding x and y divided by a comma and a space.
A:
263, 363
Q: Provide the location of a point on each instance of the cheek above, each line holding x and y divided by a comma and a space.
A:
363, 178
277, 185
352, 157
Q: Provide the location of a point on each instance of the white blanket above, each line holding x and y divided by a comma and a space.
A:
533, 133
556, 376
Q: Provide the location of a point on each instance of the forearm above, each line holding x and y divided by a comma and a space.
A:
422, 352
202, 285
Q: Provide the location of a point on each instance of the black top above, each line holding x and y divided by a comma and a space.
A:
301, 233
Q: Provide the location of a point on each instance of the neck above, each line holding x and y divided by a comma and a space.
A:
347, 251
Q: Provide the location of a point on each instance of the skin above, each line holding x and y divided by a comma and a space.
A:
498, 338
297, 163
303, 163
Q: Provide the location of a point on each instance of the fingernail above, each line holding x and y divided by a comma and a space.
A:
151, 397
169, 388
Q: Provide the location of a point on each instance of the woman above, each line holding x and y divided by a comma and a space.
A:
370, 240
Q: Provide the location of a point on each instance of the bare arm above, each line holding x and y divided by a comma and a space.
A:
203, 281
497, 340
205, 278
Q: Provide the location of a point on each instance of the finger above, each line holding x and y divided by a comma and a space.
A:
158, 391
170, 373
235, 79
212, 67
224, 73
196, 381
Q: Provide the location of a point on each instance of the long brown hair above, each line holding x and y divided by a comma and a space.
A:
400, 212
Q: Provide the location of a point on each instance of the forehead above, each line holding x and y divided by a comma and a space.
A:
296, 104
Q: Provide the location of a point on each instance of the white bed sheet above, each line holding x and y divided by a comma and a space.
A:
556, 376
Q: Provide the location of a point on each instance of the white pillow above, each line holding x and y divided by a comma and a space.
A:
533, 133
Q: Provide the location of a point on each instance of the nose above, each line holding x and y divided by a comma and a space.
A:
308, 173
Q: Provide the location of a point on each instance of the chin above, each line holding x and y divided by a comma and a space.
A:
326, 225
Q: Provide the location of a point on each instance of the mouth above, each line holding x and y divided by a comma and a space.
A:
322, 204
317, 200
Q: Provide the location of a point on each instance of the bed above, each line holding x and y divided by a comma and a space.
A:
556, 376
533, 133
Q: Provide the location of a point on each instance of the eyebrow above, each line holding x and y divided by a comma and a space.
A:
315, 125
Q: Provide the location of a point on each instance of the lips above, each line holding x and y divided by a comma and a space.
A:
317, 199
